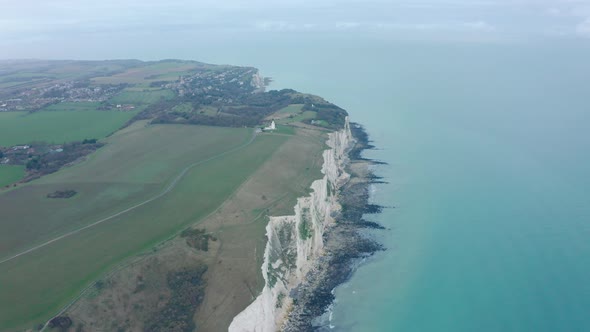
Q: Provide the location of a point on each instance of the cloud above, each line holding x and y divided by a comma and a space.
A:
479, 25
583, 28
72, 20
473, 26
284, 26
348, 25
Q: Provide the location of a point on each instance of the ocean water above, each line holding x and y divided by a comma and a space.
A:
488, 151
489, 171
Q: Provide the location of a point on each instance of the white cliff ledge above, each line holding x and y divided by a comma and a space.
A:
296, 241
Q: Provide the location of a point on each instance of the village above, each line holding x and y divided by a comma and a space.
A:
42, 158
206, 85
218, 86
73, 91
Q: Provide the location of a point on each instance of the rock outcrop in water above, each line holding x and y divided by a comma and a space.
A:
296, 242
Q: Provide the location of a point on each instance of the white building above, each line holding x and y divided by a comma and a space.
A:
271, 127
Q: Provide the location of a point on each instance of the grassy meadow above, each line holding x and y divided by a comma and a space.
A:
291, 109
292, 114
10, 174
59, 125
73, 106
142, 97
134, 165
140, 163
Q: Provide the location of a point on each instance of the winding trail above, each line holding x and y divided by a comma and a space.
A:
169, 188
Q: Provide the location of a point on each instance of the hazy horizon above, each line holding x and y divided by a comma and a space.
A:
112, 29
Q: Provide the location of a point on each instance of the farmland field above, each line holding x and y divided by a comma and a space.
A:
58, 126
141, 97
10, 174
160, 71
71, 106
138, 164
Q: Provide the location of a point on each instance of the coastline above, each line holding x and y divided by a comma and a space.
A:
345, 244
304, 264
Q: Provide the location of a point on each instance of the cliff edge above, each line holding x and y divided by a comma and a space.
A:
296, 242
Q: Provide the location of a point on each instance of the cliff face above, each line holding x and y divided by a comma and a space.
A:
258, 82
296, 241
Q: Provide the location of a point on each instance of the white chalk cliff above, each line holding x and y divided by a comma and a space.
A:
296, 241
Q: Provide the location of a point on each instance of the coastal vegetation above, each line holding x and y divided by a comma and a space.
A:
197, 238
127, 156
305, 227
188, 290
233, 258
73, 261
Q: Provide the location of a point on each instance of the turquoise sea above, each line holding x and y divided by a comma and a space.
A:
488, 148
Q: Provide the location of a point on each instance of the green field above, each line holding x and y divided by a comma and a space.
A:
10, 174
304, 116
291, 114
183, 108
297, 118
141, 97
59, 126
139, 163
286, 130
291, 109
73, 106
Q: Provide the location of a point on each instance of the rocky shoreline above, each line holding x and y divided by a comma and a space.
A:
344, 243
316, 249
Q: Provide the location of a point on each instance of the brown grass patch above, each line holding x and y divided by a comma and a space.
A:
234, 259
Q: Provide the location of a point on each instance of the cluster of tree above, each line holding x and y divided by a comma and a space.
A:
328, 115
197, 238
46, 162
89, 141
188, 290
237, 105
62, 194
244, 110
61, 323
156, 109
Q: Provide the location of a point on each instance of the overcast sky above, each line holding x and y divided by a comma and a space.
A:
26, 26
